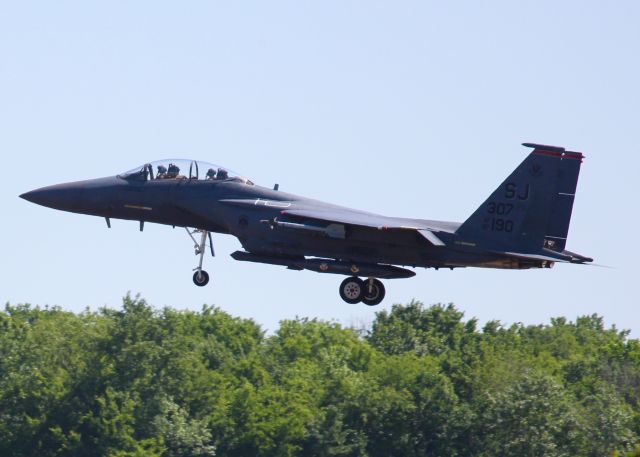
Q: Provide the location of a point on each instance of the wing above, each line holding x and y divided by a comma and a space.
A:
333, 217
362, 219
345, 217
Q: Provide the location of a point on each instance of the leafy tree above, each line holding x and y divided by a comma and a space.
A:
529, 417
423, 381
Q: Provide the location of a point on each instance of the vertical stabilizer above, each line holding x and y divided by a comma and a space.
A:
532, 208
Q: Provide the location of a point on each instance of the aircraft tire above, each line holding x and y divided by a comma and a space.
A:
377, 293
202, 279
352, 290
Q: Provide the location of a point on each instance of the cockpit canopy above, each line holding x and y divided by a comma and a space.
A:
182, 169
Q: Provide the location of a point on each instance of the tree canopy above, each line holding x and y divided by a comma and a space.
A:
422, 381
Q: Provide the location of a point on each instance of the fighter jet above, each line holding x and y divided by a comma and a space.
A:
523, 224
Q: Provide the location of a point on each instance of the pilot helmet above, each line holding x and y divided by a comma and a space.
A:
162, 169
173, 168
222, 173
211, 173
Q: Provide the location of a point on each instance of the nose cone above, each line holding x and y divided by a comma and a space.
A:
29, 196
93, 196
66, 197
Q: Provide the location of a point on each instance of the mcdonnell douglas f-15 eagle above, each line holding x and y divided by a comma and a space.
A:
523, 224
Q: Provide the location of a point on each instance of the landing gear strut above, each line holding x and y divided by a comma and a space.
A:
200, 277
371, 291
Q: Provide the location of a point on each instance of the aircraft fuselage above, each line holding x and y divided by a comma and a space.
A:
523, 224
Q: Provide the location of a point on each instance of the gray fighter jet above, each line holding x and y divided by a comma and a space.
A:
523, 224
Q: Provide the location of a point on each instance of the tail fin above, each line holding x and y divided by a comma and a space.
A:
532, 208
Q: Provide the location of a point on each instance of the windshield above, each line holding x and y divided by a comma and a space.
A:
182, 169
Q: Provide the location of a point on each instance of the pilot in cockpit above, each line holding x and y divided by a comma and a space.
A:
222, 174
162, 172
173, 171
211, 174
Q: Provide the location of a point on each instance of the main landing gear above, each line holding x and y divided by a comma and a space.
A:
200, 277
370, 291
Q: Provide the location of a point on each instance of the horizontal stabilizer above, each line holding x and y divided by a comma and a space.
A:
565, 256
521, 255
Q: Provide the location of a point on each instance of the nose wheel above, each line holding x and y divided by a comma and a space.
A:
353, 290
200, 277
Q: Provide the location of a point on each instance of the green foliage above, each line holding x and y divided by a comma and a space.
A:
423, 381
530, 416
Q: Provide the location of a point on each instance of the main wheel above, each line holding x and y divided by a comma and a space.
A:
351, 290
200, 278
373, 292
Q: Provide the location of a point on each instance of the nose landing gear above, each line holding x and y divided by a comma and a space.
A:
200, 277
371, 292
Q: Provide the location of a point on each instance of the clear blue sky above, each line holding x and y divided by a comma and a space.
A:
410, 109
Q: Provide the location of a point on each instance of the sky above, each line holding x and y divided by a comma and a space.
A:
403, 108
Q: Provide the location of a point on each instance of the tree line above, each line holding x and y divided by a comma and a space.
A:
421, 381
